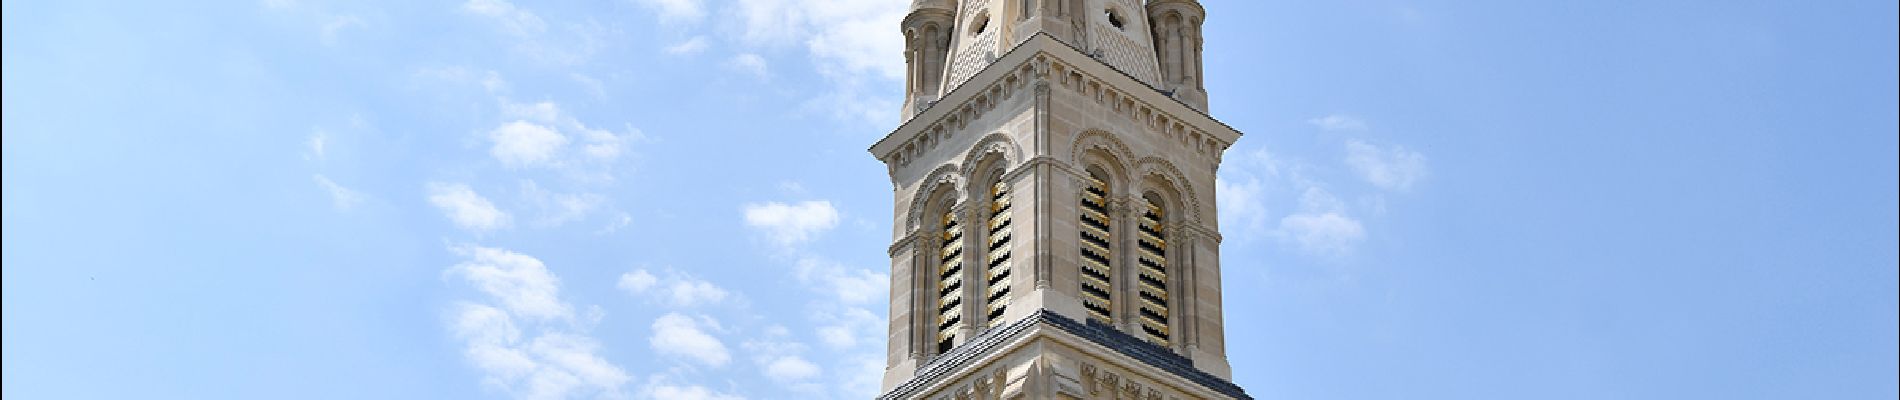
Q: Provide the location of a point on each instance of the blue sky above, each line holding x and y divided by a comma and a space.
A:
671, 198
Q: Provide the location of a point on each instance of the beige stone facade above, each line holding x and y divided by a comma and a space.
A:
1055, 169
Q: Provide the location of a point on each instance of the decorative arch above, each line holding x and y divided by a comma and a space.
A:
1158, 174
993, 145
1100, 148
945, 177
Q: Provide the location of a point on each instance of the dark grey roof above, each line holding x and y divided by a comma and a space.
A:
1155, 356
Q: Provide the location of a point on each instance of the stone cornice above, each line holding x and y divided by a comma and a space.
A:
1035, 59
909, 239
1048, 324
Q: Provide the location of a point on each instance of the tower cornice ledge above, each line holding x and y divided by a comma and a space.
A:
1097, 341
1034, 57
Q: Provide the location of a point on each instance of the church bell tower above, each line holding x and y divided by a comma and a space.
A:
1055, 228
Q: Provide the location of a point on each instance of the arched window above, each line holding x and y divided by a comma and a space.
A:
1097, 274
1153, 273
997, 275
949, 281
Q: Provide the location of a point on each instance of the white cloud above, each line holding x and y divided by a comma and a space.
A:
678, 289
790, 369
1324, 233
867, 370
543, 136
342, 198
848, 285
594, 86
849, 327
514, 20
534, 39
690, 46
848, 42
556, 361
843, 324
317, 145
491, 336
677, 11
540, 136
521, 143
554, 365
637, 281
849, 35
560, 208
1241, 200
687, 292
521, 283
751, 64
328, 34
1338, 122
1389, 167
466, 209
1322, 226
679, 335
490, 81
576, 357
662, 390
779, 359
791, 224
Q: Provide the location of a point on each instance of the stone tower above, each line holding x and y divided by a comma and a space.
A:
1055, 231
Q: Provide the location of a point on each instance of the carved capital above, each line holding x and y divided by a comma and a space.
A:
1118, 206
1088, 379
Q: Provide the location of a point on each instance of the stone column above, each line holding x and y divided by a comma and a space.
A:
1121, 212
967, 218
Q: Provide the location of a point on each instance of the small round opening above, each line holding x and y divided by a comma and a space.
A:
980, 24
1114, 19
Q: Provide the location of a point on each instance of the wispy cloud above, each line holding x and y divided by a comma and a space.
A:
677, 289
342, 198
678, 335
662, 388
336, 25
693, 45
791, 224
849, 326
1338, 122
533, 38
1389, 167
468, 210
844, 324
782, 360
521, 143
677, 11
847, 41
1241, 201
789, 369
515, 21
1322, 227
528, 346
750, 64
594, 87
848, 285
559, 208
542, 135
521, 283
317, 146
